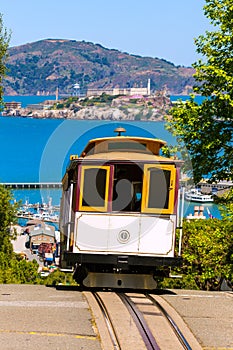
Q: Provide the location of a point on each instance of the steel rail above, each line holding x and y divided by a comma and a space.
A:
174, 326
108, 321
140, 322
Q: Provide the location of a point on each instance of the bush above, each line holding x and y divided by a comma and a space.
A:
207, 254
12, 270
18, 271
59, 277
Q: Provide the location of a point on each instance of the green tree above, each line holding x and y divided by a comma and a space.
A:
57, 277
4, 42
207, 132
12, 270
207, 255
207, 129
208, 252
7, 219
8, 210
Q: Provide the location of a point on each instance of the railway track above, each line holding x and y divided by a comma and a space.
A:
173, 325
140, 321
137, 321
112, 333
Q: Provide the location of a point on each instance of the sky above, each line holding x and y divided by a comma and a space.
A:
156, 28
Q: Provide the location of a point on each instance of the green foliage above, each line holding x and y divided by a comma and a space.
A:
15, 271
207, 254
12, 270
7, 216
97, 100
208, 247
59, 277
4, 42
226, 205
169, 151
207, 129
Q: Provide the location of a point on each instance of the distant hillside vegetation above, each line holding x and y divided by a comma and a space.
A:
42, 66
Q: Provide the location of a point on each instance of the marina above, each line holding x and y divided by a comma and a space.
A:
45, 212
46, 217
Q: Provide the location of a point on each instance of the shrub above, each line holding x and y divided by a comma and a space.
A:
207, 255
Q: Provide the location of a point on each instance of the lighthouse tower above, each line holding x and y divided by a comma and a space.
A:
57, 94
148, 87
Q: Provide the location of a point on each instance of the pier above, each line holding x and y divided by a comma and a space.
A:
31, 185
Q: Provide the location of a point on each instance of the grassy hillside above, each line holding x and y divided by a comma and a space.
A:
44, 65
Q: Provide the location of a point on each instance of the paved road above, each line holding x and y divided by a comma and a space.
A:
46, 318
209, 315
38, 317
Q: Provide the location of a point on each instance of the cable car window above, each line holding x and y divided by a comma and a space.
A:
126, 146
159, 184
94, 188
158, 189
127, 187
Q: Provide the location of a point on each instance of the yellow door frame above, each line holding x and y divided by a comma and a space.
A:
94, 208
146, 186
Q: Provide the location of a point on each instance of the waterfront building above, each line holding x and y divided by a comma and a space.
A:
12, 108
144, 91
12, 105
40, 233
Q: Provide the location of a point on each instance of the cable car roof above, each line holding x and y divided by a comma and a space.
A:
132, 144
133, 138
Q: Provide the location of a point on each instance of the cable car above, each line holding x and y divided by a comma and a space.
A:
119, 213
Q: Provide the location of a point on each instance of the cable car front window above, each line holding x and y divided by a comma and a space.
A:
127, 188
158, 196
94, 188
158, 189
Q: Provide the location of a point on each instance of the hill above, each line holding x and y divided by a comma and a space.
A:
42, 66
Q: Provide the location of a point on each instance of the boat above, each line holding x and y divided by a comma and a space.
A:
44, 212
194, 195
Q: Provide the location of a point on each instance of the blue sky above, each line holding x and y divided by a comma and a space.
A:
156, 28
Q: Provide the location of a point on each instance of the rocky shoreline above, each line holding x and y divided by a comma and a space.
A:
92, 113
138, 108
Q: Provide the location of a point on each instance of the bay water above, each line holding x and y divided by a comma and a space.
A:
38, 150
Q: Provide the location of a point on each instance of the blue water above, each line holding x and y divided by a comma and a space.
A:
26, 100
38, 150
198, 99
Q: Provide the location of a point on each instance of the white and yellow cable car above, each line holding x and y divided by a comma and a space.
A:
119, 213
